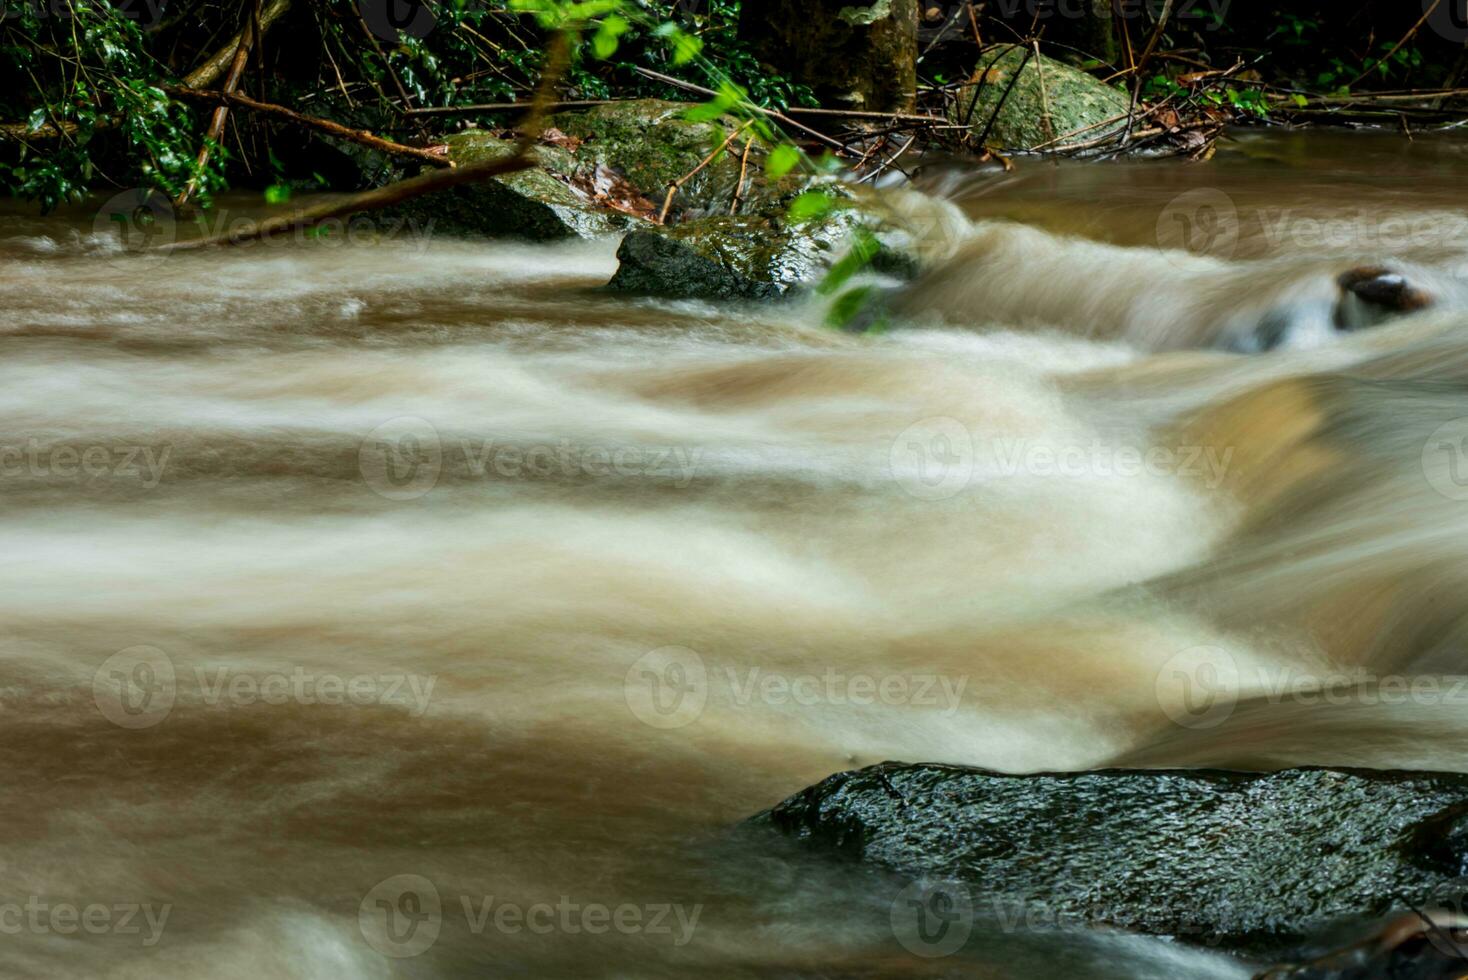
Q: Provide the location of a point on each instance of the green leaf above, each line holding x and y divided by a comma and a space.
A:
604, 42
864, 248
811, 204
277, 194
851, 303
1300, 100
686, 47
729, 95
781, 161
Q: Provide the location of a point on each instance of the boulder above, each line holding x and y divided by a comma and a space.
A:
1049, 101
652, 144
538, 204
1252, 862
599, 172
762, 255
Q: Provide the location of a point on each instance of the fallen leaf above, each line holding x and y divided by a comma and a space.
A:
552, 136
608, 188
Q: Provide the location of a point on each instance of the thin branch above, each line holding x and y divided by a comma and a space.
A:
673, 187
221, 113
557, 56
359, 136
743, 169
207, 73
773, 114
1405, 38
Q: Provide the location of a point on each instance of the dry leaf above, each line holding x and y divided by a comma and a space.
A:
552, 136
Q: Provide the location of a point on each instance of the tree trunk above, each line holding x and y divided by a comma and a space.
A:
852, 56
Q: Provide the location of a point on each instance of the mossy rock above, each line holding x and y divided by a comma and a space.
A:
754, 256
530, 204
651, 143
1050, 101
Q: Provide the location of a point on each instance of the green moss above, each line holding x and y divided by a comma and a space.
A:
752, 256
652, 145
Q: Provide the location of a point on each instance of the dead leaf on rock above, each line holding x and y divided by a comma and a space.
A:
608, 188
552, 136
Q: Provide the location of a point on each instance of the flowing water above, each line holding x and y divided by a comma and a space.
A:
409, 607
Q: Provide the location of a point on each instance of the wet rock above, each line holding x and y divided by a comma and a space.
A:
651, 143
607, 170
1425, 945
753, 256
1049, 101
533, 204
1372, 294
1252, 862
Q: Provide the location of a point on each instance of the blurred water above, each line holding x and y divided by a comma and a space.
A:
412, 608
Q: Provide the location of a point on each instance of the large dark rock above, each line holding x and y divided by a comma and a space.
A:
1253, 862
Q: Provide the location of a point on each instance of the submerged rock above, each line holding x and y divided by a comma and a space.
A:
1253, 862
1050, 102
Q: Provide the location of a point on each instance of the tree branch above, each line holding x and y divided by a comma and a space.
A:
358, 136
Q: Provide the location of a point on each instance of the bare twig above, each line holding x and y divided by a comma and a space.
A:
743, 169
890, 162
673, 187
1044, 97
557, 56
1155, 37
221, 112
1405, 38
773, 114
200, 77
359, 136
211, 69
458, 110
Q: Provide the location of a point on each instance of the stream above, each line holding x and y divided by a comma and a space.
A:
413, 608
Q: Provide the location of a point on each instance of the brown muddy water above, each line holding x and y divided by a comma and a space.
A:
407, 607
